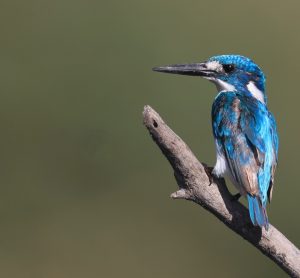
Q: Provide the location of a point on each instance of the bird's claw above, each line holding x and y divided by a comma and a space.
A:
209, 173
236, 197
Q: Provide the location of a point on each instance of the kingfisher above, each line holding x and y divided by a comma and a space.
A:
244, 130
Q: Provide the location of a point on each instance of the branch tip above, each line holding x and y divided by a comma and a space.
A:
179, 194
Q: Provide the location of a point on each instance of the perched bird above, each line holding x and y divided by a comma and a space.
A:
244, 129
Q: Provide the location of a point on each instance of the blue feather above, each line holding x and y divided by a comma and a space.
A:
245, 133
257, 211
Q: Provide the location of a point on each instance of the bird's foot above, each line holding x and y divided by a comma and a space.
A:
209, 173
236, 197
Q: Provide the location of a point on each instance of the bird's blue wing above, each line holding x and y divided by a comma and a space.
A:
259, 127
275, 141
246, 132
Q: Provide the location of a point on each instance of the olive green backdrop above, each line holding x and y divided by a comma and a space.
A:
84, 192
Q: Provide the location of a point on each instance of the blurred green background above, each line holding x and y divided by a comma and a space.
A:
84, 192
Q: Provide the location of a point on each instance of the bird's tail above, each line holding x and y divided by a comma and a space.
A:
258, 213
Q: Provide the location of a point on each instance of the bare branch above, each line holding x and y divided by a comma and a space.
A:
197, 185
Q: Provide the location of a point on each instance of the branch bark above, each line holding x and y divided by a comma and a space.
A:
196, 184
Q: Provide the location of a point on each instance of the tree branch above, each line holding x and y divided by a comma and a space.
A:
196, 184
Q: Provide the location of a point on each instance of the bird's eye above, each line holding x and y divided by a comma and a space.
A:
228, 68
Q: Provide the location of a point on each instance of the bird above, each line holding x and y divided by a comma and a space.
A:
244, 130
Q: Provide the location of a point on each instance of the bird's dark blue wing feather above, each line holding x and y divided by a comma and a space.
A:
246, 132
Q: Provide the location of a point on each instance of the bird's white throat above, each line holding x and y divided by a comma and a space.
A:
223, 86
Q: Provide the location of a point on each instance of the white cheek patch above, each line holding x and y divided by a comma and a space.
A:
223, 86
255, 92
215, 66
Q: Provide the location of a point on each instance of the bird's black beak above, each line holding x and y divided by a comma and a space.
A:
197, 69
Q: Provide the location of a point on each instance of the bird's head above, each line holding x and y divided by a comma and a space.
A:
228, 72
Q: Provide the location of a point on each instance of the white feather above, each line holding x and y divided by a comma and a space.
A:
221, 168
215, 66
255, 92
223, 86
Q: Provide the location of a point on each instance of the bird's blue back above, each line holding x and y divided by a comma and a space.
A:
245, 133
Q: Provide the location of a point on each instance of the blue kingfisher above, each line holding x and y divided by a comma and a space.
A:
244, 129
